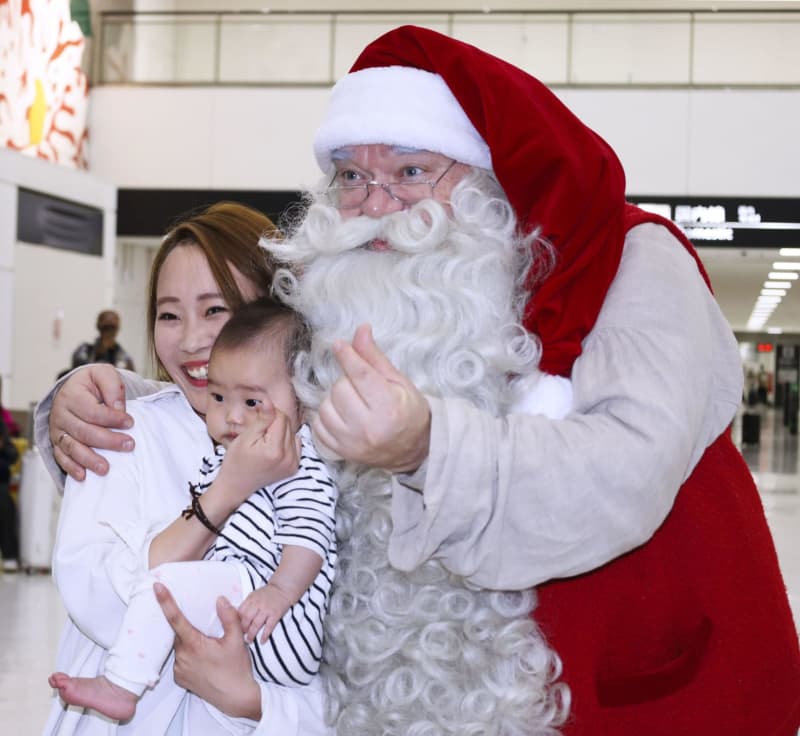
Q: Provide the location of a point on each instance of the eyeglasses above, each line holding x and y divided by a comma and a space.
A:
349, 196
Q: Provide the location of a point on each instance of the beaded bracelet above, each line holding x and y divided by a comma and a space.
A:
195, 509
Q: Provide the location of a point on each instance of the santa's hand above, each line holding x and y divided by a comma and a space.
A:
373, 415
88, 405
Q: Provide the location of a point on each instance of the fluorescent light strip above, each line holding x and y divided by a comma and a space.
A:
786, 266
777, 284
783, 275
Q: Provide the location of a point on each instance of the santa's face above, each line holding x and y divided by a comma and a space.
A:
432, 174
443, 302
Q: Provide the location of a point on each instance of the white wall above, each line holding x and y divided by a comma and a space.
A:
132, 270
49, 299
671, 141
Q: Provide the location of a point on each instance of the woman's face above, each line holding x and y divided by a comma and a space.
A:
190, 312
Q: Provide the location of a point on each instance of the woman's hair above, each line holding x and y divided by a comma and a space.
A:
260, 324
227, 233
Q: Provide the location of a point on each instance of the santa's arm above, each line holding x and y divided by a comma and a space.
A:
515, 501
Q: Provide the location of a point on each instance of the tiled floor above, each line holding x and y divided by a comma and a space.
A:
31, 614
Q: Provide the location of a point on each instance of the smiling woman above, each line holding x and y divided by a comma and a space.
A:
115, 529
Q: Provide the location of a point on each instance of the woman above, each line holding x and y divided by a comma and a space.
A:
206, 267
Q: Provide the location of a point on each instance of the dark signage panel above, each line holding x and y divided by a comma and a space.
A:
149, 212
59, 223
738, 222
734, 222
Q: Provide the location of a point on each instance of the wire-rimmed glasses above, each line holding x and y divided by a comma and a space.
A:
350, 196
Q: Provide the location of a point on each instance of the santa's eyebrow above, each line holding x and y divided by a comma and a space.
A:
346, 153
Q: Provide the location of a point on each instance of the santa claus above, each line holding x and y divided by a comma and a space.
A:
666, 612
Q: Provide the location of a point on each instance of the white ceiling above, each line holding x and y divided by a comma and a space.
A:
738, 276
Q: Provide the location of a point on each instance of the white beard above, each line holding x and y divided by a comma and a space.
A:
422, 653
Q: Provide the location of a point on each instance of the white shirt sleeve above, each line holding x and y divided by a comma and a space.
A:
106, 523
286, 711
101, 547
295, 711
512, 502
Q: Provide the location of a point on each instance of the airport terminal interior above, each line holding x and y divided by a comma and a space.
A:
118, 116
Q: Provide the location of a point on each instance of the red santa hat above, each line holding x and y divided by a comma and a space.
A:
558, 174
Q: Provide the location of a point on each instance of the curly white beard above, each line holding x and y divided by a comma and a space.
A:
422, 653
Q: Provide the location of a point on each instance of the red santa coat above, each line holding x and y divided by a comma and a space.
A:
691, 633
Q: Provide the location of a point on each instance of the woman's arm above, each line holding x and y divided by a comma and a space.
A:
512, 502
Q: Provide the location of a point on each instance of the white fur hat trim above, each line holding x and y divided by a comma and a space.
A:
398, 106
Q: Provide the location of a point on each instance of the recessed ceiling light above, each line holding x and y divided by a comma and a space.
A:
789, 252
783, 275
773, 292
775, 330
777, 284
786, 266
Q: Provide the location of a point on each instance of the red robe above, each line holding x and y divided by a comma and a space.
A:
691, 633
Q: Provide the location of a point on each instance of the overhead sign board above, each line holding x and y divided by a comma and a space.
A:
737, 222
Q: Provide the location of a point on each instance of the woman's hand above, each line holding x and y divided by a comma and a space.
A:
373, 415
90, 402
216, 670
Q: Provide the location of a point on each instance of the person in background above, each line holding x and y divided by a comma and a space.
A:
9, 532
7, 417
105, 349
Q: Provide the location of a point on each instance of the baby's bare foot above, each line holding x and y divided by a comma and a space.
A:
97, 693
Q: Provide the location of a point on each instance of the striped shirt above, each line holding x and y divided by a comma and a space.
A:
299, 511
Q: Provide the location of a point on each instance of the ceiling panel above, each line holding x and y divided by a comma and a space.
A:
738, 276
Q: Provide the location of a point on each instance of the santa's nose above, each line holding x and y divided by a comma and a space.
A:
379, 203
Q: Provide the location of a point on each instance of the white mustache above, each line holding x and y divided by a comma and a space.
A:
419, 229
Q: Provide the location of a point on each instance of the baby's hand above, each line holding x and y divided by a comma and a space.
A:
265, 452
262, 609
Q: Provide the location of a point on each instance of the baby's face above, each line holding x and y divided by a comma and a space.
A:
243, 381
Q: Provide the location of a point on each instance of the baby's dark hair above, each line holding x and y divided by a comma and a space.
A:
258, 323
